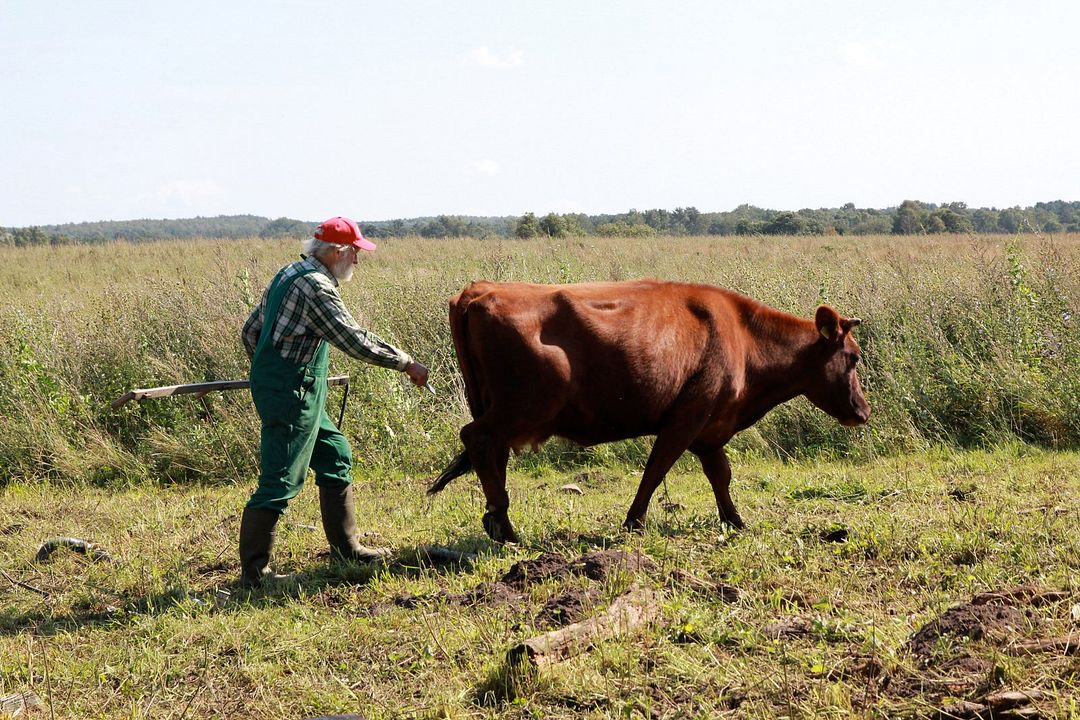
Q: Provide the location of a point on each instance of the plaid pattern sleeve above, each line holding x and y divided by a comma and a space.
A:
312, 311
252, 329
330, 319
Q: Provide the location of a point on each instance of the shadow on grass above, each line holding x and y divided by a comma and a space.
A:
409, 562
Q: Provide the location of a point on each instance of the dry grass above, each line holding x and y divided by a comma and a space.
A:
968, 342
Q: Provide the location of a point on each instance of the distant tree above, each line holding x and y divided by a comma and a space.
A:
1010, 220
553, 225
934, 224
746, 226
659, 220
950, 218
985, 221
25, 237
527, 226
785, 223
621, 228
284, 227
910, 218
688, 221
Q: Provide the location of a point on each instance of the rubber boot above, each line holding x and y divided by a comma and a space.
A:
339, 522
256, 541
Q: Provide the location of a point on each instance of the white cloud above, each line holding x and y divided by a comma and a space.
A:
486, 167
483, 57
859, 55
188, 192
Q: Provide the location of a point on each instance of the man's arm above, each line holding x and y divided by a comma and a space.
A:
252, 329
333, 321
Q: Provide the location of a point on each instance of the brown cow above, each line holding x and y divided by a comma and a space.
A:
596, 362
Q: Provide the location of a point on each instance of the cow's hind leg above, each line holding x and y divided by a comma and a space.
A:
715, 463
489, 456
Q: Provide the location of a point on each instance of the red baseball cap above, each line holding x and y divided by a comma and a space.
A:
343, 231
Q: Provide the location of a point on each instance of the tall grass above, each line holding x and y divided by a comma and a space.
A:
967, 343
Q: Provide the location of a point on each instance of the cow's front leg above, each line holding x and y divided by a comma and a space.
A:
717, 468
489, 459
669, 445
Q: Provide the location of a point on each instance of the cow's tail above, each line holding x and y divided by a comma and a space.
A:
457, 467
459, 332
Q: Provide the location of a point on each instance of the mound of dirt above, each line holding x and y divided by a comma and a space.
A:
597, 565
566, 608
536, 570
974, 622
602, 564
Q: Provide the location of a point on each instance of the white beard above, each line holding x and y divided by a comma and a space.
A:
343, 268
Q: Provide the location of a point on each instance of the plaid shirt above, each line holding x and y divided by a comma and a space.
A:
311, 311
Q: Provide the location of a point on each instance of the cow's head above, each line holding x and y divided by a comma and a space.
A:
833, 385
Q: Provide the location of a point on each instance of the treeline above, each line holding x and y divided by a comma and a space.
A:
911, 217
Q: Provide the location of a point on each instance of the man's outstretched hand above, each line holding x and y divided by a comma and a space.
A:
417, 373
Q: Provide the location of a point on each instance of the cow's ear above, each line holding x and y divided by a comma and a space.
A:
850, 323
828, 322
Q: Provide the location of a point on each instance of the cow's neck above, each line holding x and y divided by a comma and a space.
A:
775, 366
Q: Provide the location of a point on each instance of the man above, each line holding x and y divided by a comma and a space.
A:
286, 339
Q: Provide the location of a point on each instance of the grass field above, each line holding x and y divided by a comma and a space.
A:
965, 482
146, 636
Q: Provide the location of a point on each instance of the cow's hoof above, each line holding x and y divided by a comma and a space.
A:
734, 521
497, 526
634, 525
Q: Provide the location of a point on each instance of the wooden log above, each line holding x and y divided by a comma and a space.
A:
1012, 704
679, 578
1008, 699
437, 554
638, 606
1067, 645
15, 705
1019, 595
198, 389
88, 549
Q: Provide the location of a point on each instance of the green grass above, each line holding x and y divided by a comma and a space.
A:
145, 638
964, 481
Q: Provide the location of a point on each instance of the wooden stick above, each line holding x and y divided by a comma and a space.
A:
436, 553
21, 584
199, 388
638, 606
14, 705
1068, 645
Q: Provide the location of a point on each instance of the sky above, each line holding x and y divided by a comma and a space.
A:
381, 110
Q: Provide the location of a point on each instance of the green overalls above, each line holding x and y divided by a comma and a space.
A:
296, 431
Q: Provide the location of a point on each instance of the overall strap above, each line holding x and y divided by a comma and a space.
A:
279, 287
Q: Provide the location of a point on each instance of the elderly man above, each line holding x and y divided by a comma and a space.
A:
286, 339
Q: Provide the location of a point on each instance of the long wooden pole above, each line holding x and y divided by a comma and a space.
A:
199, 389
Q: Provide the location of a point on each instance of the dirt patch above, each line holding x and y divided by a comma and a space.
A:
597, 565
568, 607
973, 622
536, 570
947, 666
789, 627
602, 564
